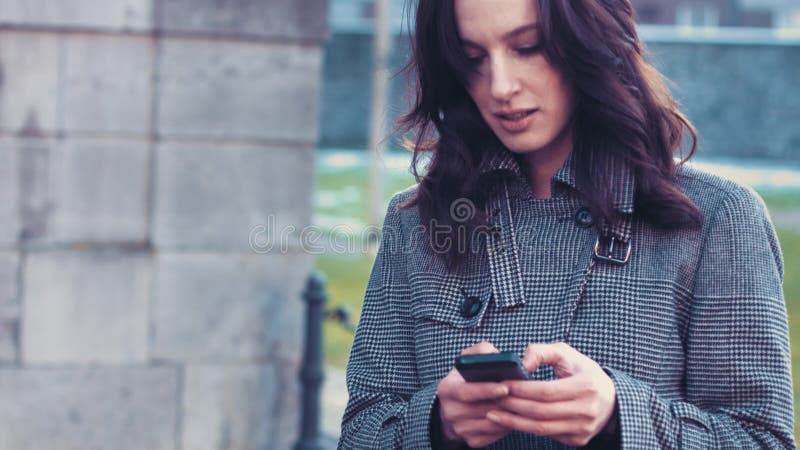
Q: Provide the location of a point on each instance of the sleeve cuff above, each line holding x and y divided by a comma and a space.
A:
420, 407
437, 436
633, 400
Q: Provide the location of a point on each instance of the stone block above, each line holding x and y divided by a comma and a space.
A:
89, 408
9, 285
98, 191
228, 307
215, 197
9, 340
85, 307
108, 14
298, 19
241, 407
29, 81
235, 90
9, 306
107, 83
75, 190
10, 223
28, 183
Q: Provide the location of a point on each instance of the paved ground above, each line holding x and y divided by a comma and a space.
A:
334, 400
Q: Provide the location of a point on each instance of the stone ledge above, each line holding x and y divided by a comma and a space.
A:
296, 19
266, 411
89, 409
120, 15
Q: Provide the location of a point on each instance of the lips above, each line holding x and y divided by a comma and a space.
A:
515, 115
515, 121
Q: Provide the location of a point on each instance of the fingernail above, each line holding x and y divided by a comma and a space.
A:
493, 417
503, 390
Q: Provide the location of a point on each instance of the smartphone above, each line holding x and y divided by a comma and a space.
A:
494, 367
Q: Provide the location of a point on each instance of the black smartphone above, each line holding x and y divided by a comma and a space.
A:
494, 367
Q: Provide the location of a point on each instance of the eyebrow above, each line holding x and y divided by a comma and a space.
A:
509, 35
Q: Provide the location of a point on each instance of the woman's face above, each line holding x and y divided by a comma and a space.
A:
523, 99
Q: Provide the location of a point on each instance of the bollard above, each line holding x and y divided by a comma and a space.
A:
311, 374
341, 315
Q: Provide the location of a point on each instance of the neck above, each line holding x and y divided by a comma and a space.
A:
544, 163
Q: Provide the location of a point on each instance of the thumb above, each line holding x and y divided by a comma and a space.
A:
557, 355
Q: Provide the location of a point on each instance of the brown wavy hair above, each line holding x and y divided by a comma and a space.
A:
624, 111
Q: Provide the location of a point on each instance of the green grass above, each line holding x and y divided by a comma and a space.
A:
790, 244
346, 182
347, 281
780, 200
347, 276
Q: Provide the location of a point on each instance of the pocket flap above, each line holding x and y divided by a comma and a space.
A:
452, 300
688, 413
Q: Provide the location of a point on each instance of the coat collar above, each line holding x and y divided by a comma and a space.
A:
501, 159
504, 257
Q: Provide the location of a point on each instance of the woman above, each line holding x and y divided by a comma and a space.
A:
554, 221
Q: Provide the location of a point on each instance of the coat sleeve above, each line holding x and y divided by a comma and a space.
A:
738, 381
387, 407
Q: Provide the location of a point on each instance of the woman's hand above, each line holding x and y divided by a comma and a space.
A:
463, 406
572, 409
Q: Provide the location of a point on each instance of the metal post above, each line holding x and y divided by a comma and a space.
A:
311, 374
377, 129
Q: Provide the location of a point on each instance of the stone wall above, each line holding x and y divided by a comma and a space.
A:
140, 143
741, 93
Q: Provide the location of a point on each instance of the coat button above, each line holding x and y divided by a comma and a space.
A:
583, 218
471, 307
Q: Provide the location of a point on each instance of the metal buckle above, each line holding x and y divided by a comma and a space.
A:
610, 255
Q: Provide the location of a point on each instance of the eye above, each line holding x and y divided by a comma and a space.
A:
530, 50
475, 60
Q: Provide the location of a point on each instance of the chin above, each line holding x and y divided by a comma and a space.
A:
521, 146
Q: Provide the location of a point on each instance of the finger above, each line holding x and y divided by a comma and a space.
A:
484, 440
573, 440
454, 388
481, 433
460, 411
559, 355
478, 427
569, 410
479, 392
537, 427
560, 390
480, 348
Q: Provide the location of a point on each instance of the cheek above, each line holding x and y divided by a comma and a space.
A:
562, 95
481, 95
479, 89
569, 101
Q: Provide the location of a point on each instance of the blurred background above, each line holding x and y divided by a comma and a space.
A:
171, 172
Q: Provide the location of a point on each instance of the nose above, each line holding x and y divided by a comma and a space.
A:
505, 83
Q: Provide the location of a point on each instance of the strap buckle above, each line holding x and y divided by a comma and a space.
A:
609, 256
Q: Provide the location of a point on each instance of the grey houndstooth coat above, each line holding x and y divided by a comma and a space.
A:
692, 329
